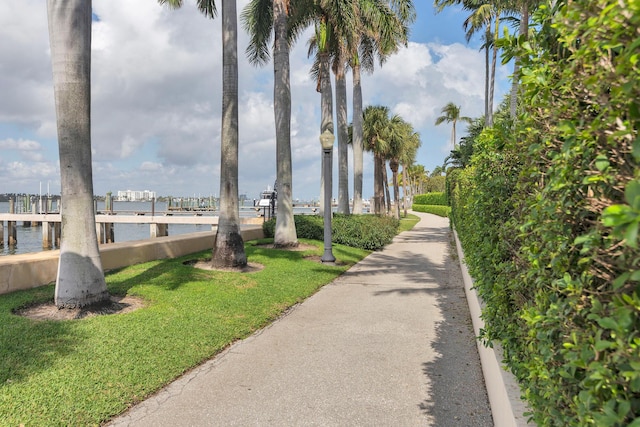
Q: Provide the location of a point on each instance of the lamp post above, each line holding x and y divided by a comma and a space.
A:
326, 140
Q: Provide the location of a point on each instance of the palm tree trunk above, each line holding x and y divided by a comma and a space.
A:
404, 188
487, 72
343, 134
285, 232
80, 279
393, 164
493, 69
385, 180
378, 185
229, 246
523, 31
326, 110
453, 134
357, 141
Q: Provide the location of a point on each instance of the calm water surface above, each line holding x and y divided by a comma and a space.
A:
30, 238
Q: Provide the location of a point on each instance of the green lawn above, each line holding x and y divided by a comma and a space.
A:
408, 222
82, 372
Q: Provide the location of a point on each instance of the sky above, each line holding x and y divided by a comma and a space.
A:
157, 96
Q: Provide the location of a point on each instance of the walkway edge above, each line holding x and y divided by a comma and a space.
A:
502, 388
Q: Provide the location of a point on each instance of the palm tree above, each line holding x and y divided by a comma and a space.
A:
300, 18
351, 33
523, 34
382, 33
343, 125
403, 143
416, 177
375, 127
437, 171
484, 14
408, 156
260, 18
451, 114
335, 23
406, 181
228, 251
487, 13
80, 280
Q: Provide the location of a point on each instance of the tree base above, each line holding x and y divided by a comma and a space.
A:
229, 251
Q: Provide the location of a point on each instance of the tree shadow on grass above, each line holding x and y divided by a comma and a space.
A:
28, 346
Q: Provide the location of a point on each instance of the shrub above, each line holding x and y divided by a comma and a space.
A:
438, 199
434, 184
307, 227
369, 232
443, 211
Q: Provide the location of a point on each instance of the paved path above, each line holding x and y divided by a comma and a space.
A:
389, 343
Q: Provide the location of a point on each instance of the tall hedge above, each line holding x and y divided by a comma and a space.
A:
549, 214
434, 198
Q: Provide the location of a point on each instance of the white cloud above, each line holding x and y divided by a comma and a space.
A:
462, 69
151, 166
19, 144
156, 100
29, 170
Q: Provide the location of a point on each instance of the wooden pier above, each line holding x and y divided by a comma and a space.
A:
51, 223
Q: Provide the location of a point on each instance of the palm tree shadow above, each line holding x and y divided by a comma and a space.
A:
456, 391
27, 345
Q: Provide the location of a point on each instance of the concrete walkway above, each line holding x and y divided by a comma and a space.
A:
389, 343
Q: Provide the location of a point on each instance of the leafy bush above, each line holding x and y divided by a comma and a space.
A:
307, 227
549, 212
369, 232
434, 184
443, 211
438, 199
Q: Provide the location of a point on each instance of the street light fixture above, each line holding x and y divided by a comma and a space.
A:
326, 140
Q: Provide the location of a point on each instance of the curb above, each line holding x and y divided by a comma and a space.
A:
507, 408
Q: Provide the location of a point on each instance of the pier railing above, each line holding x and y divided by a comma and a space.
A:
158, 225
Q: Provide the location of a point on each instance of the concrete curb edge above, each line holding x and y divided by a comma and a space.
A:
507, 408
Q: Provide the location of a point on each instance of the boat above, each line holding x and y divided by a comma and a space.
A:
267, 201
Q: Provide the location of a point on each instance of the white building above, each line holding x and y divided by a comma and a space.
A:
136, 196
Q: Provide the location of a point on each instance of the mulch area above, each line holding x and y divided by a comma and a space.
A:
49, 311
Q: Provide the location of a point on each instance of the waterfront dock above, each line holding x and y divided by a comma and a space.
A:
158, 224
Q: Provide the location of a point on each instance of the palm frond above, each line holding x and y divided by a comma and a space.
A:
207, 7
257, 20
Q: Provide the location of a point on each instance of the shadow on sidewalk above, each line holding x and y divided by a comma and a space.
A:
457, 394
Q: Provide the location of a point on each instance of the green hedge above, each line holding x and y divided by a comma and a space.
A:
369, 232
549, 212
438, 199
432, 209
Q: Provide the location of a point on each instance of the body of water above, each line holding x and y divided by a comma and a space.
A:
30, 238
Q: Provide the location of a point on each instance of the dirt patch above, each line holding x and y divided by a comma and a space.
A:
205, 264
300, 248
49, 311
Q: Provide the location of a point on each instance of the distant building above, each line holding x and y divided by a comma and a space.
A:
136, 196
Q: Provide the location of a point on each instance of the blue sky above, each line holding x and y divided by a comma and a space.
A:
156, 100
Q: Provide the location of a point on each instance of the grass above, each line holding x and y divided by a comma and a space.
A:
83, 372
408, 222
